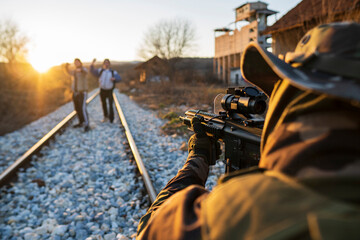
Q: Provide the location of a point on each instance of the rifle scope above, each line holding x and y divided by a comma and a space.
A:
247, 100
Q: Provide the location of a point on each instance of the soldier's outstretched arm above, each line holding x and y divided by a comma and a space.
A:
172, 208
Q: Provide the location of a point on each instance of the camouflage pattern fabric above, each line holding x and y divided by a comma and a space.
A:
304, 130
256, 204
308, 183
176, 220
312, 134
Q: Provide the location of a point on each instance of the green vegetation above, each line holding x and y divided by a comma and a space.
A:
170, 116
174, 126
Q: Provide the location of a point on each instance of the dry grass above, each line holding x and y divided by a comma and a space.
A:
26, 95
160, 95
172, 100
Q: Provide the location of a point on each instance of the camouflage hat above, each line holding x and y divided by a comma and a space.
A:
326, 60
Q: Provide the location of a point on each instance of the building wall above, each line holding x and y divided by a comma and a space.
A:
244, 12
286, 38
286, 41
235, 76
142, 76
230, 45
228, 49
235, 41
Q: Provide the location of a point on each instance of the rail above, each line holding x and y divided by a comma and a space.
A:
148, 184
26, 157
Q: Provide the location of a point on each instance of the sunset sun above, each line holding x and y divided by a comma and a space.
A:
40, 64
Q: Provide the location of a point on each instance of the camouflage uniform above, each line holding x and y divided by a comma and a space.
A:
307, 185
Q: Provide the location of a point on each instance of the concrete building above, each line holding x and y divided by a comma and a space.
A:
230, 44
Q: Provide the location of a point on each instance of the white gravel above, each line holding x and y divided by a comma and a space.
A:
160, 153
14, 144
90, 188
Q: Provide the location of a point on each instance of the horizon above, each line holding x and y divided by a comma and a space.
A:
114, 29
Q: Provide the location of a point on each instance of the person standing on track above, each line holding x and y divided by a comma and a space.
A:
107, 79
80, 88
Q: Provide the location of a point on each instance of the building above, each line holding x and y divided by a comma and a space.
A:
229, 44
289, 29
153, 70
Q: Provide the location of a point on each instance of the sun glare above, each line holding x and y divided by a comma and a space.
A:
40, 66
41, 62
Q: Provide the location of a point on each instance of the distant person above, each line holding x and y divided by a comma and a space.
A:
107, 79
79, 88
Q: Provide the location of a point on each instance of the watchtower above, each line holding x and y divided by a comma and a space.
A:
230, 43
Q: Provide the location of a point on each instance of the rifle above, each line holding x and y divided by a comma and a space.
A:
236, 123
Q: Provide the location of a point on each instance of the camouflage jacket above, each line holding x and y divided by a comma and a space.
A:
310, 190
255, 204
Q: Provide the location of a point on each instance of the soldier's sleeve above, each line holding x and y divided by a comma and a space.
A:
175, 212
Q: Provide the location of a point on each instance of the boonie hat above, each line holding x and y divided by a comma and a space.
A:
326, 60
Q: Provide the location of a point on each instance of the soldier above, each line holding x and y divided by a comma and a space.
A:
307, 185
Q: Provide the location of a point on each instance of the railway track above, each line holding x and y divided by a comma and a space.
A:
122, 187
85, 185
25, 159
139, 162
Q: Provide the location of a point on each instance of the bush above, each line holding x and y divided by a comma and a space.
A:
170, 116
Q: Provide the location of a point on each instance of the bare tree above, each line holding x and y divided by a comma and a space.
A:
168, 39
12, 42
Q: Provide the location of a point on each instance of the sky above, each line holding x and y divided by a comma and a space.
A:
60, 31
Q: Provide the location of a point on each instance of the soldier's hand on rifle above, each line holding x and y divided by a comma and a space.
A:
201, 144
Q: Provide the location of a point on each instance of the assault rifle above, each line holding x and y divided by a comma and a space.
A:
236, 123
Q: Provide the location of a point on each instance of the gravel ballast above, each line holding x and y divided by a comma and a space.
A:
84, 185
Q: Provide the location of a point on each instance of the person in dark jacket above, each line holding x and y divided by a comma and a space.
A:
307, 185
107, 79
79, 87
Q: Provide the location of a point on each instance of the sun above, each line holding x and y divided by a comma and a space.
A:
41, 62
41, 66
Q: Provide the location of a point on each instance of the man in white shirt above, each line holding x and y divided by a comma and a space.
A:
107, 79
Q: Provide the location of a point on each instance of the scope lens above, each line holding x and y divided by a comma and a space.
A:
237, 104
218, 103
259, 107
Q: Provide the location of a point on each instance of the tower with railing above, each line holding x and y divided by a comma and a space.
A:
250, 20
